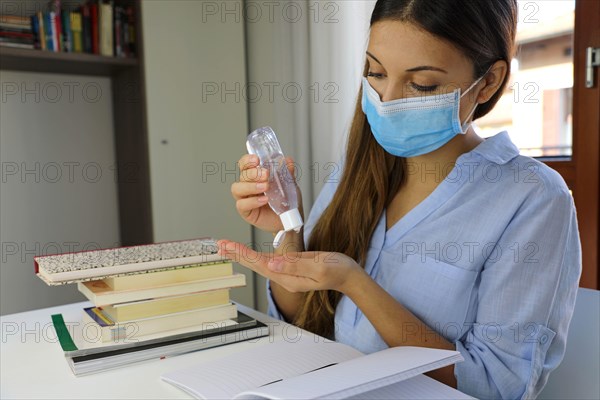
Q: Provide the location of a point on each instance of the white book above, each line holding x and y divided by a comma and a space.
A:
309, 370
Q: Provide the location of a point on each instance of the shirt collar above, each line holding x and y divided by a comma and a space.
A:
498, 149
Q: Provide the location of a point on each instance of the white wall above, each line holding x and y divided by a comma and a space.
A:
57, 188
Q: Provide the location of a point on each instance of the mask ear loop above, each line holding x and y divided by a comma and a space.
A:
466, 124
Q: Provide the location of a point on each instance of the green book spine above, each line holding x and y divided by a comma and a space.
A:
64, 338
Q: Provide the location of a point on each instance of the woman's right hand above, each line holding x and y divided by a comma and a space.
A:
250, 201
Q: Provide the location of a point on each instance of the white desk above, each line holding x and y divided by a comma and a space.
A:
33, 365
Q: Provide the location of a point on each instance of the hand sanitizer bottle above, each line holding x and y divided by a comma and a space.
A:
282, 193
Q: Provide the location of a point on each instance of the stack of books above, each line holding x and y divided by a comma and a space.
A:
96, 27
149, 301
131, 306
15, 31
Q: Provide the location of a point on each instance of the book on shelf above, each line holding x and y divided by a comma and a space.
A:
86, 353
105, 25
112, 331
95, 27
13, 19
39, 39
87, 28
76, 32
16, 31
154, 307
82, 266
308, 369
67, 32
99, 293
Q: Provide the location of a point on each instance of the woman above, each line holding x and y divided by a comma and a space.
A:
432, 236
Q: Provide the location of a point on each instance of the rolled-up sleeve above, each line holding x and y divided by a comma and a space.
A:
527, 292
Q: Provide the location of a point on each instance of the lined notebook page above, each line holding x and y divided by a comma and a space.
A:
250, 369
419, 387
360, 375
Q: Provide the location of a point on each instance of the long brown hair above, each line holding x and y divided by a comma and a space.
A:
485, 31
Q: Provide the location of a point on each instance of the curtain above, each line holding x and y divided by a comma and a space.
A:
305, 58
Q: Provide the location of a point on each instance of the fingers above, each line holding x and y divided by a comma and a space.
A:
253, 179
248, 161
295, 265
247, 205
306, 264
241, 190
256, 174
250, 169
244, 255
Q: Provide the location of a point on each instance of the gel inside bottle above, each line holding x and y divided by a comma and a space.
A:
282, 193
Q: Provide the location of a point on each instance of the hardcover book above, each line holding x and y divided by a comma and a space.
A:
104, 263
111, 331
154, 307
87, 354
99, 293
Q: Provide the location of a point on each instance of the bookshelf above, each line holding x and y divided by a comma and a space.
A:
62, 63
129, 118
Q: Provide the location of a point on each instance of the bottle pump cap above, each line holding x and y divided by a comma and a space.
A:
292, 221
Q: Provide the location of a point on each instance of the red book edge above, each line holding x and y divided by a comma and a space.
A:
95, 35
17, 34
58, 21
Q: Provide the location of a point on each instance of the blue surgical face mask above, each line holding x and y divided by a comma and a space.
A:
414, 126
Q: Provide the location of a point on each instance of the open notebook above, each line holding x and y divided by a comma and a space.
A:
306, 369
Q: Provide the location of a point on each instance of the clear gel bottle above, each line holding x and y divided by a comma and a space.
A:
282, 193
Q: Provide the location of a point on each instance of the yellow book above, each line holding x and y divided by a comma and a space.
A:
132, 330
106, 29
178, 275
76, 28
42, 30
154, 308
99, 293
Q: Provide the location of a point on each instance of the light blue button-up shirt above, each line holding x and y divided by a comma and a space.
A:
490, 260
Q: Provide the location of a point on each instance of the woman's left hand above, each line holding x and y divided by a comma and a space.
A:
297, 271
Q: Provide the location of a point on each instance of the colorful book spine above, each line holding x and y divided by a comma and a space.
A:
67, 42
35, 29
58, 34
76, 32
95, 28
118, 31
49, 33
131, 39
87, 28
42, 30
106, 29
